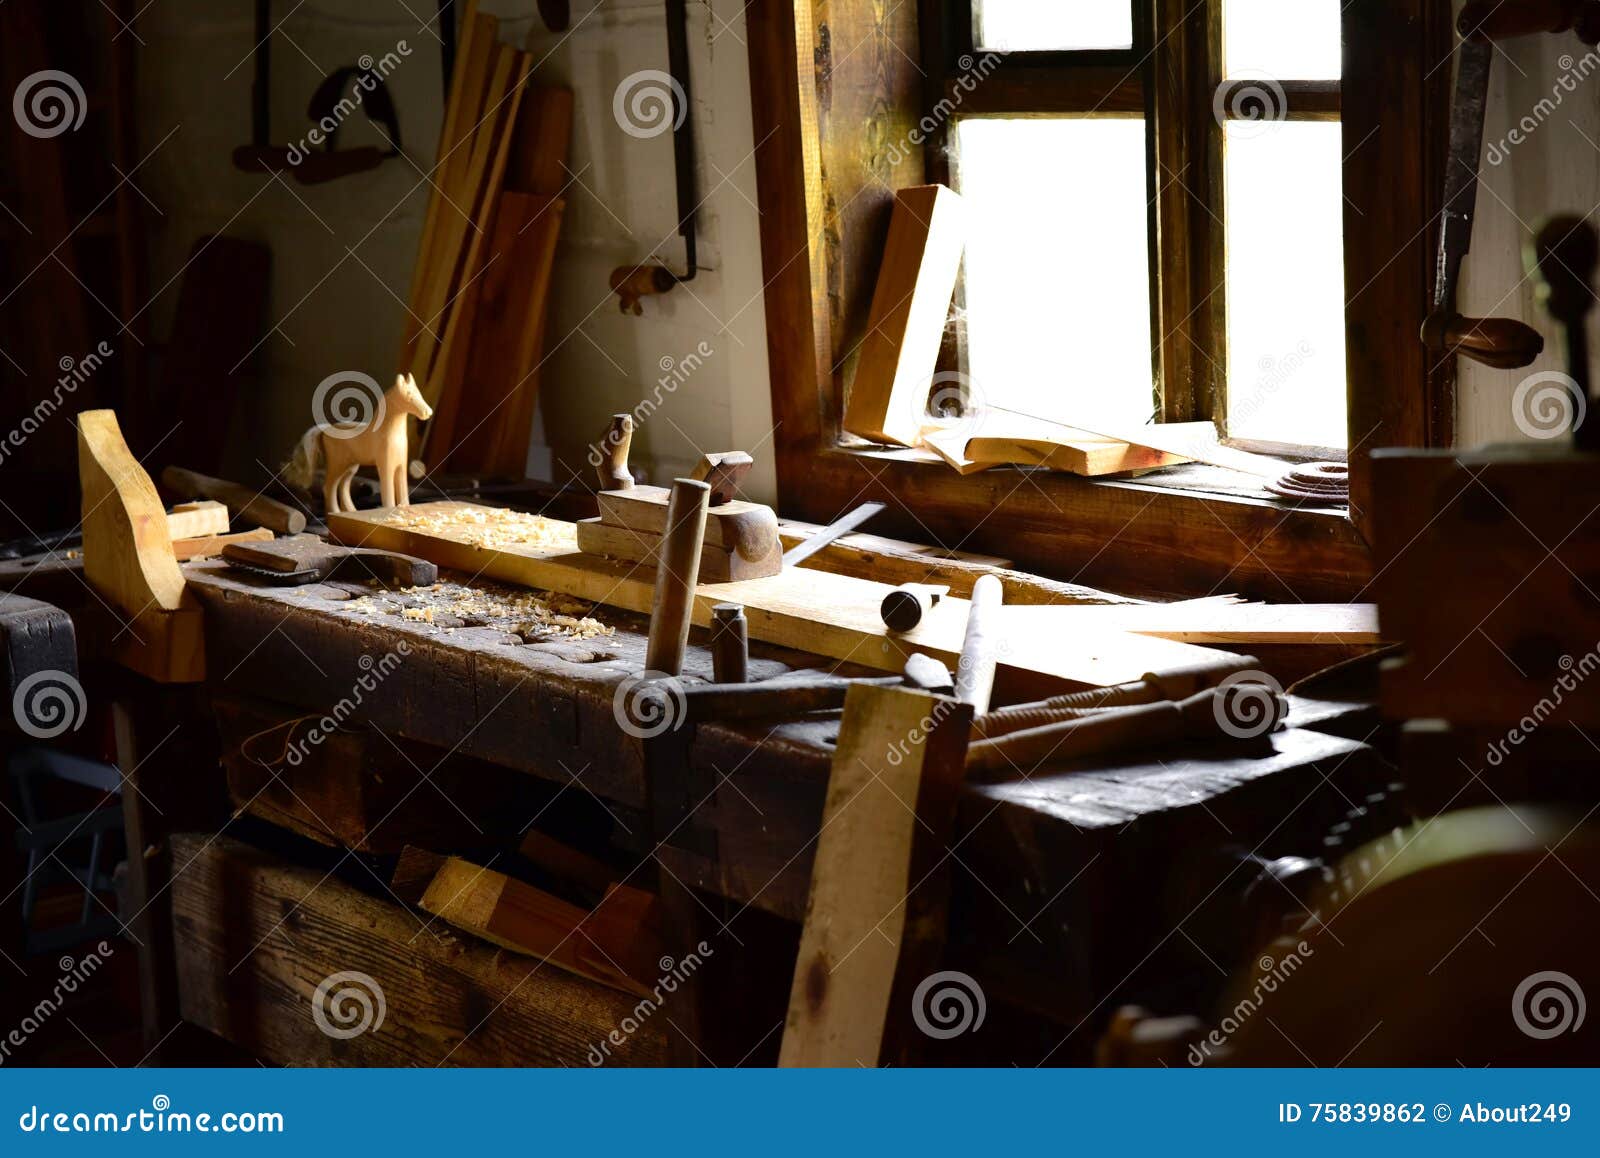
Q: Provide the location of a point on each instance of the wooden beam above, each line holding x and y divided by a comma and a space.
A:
257, 937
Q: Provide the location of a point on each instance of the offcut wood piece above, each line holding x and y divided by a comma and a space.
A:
128, 557
927, 233
204, 546
875, 917
197, 519
813, 611
614, 944
437, 990
242, 502
1000, 441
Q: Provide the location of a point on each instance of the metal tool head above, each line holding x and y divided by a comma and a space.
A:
927, 673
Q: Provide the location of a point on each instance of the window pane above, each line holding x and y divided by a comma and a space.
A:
1038, 26
1284, 39
1285, 282
1057, 267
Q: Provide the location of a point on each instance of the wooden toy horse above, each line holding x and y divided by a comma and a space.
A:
344, 447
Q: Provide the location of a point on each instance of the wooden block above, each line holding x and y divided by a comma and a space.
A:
611, 945
248, 974
888, 397
747, 528
207, 545
717, 564
874, 923
197, 519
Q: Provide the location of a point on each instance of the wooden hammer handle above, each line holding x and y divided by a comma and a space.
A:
677, 567
247, 504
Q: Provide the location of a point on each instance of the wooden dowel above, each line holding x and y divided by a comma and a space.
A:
730, 644
244, 502
980, 649
676, 569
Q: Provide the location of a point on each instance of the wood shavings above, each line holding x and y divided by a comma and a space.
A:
529, 615
489, 527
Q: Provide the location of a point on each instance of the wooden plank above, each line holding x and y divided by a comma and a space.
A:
196, 519
257, 937
1212, 622
613, 944
874, 918
927, 235
542, 142
833, 615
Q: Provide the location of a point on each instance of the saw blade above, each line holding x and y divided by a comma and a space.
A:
1473, 59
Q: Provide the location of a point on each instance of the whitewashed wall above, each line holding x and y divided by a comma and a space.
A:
1555, 169
343, 252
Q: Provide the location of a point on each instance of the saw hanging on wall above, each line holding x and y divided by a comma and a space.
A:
1504, 343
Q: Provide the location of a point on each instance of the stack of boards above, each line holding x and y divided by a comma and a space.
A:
475, 328
888, 397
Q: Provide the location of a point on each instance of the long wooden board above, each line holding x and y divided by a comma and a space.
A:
1209, 621
815, 611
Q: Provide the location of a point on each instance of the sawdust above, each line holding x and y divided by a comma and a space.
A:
489, 527
532, 615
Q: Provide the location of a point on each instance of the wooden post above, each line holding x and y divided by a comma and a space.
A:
679, 564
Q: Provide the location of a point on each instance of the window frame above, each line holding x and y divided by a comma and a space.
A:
824, 196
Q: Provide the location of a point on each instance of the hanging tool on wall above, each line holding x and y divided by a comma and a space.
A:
1503, 343
311, 164
630, 283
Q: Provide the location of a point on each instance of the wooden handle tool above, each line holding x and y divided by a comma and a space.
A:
904, 607
614, 447
245, 503
679, 564
980, 648
730, 644
1503, 343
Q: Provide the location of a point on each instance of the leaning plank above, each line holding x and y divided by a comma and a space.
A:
875, 918
256, 938
833, 615
888, 396
611, 944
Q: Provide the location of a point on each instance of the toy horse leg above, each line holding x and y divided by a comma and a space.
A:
345, 480
402, 485
385, 480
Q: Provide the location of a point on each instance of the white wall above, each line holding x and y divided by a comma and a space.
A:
1556, 169
343, 252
